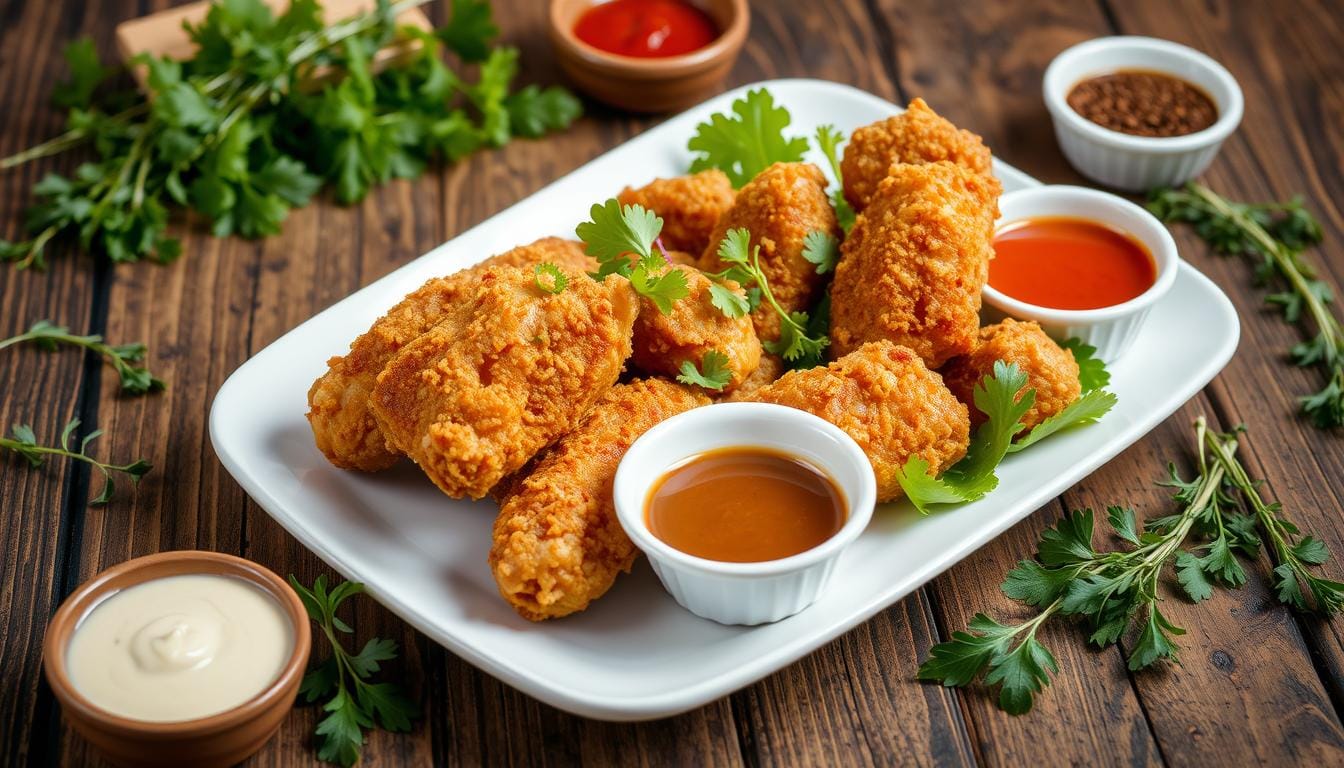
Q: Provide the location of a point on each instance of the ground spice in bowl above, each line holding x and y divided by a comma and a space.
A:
1143, 103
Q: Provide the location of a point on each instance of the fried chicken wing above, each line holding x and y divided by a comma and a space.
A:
508, 370
882, 396
917, 135
694, 326
780, 207
913, 266
557, 543
1051, 369
689, 205
338, 412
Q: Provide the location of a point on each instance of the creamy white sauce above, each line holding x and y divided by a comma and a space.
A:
179, 648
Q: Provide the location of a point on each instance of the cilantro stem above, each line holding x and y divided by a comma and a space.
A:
133, 379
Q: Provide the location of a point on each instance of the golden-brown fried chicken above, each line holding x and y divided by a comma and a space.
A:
917, 135
780, 206
882, 396
557, 543
694, 326
508, 370
768, 370
338, 412
1051, 369
690, 206
912, 268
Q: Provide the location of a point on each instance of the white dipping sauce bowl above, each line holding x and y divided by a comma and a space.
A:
1110, 329
1125, 161
744, 593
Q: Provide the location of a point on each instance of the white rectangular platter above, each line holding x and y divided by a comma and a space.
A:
635, 654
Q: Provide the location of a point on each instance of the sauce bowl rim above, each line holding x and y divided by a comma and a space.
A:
729, 39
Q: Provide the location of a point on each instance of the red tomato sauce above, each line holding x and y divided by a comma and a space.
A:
1069, 263
646, 29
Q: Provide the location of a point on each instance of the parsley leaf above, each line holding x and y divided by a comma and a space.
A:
713, 372
86, 74
615, 232
558, 280
731, 303
24, 442
134, 379
1085, 410
535, 112
828, 139
748, 142
470, 29
1092, 373
822, 249
796, 341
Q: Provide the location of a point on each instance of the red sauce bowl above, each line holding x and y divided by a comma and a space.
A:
649, 85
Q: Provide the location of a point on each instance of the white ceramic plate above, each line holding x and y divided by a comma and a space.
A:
635, 654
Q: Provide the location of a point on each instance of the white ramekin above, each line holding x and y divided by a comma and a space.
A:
1110, 329
744, 593
1138, 163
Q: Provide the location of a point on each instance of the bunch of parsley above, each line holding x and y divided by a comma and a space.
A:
255, 123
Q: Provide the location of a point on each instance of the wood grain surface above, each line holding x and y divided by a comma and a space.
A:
1256, 684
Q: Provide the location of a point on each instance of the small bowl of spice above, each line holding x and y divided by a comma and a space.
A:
648, 55
1136, 113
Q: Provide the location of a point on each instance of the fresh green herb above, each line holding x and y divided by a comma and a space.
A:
744, 268
24, 443
614, 232
1116, 593
748, 142
557, 279
1277, 233
232, 135
1092, 373
356, 702
713, 372
829, 139
1086, 409
134, 379
822, 249
728, 301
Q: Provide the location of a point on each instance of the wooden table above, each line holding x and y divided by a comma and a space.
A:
1257, 684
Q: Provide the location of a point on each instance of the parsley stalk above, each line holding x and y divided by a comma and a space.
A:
134, 379
24, 442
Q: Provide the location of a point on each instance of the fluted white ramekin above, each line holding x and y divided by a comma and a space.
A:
1110, 329
744, 593
1138, 163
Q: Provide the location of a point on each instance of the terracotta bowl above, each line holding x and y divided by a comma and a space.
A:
218, 740
649, 85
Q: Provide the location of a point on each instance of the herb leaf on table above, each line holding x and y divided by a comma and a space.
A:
749, 141
134, 379
24, 442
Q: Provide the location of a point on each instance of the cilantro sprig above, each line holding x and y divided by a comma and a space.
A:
713, 372
744, 267
24, 442
821, 249
614, 233
356, 701
1115, 594
829, 140
749, 141
122, 357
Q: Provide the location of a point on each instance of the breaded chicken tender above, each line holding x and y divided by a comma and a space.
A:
694, 327
508, 370
913, 266
345, 431
780, 206
882, 396
1051, 369
917, 135
767, 371
690, 206
557, 543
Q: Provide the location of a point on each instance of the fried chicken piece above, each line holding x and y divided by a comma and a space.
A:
338, 412
509, 369
557, 543
913, 266
768, 370
694, 327
780, 206
1051, 369
917, 135
689, 205
882, 396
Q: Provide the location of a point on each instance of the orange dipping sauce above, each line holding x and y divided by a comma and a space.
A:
1063, 262
745, 505
646, 29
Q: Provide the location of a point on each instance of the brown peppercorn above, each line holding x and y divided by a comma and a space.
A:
1143, 103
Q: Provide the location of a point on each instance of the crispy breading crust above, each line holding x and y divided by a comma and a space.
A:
780, 206
689, 205
913, 266
917, 135
767, 371
1051, 369
882, 396
694, 326
343, 428
557, 543
508, 370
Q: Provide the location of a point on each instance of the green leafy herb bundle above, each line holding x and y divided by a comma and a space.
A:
237, 135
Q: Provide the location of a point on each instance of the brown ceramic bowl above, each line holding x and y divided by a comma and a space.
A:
218, 740
649, 85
